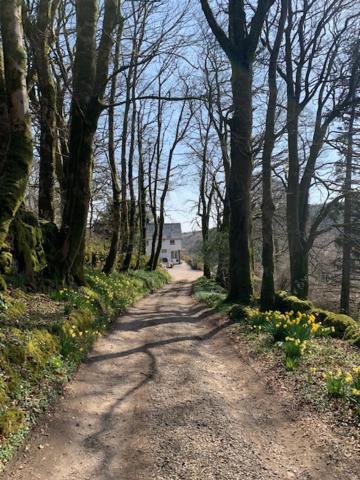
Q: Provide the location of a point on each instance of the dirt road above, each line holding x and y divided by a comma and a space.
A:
165, 395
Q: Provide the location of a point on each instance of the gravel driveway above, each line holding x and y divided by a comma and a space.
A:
165, 395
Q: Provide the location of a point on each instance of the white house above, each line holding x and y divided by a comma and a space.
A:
171, 242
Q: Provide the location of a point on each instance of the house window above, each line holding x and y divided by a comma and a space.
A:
164, 250
172, 242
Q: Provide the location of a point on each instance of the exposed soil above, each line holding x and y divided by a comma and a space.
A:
167, 395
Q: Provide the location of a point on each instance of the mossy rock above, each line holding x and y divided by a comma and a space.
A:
35, 347
344, 325
15, 346
41, 347
240, 312
10, 376
352, 333
15, 310
11, 420
285, 303
4, 303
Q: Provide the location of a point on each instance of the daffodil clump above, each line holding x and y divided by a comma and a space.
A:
344, 384
292, 329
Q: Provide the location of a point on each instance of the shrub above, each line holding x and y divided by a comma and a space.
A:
208, 291
208, 285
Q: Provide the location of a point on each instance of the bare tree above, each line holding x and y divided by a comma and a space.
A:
267, 207
240, 47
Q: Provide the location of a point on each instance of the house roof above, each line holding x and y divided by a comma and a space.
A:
171, 230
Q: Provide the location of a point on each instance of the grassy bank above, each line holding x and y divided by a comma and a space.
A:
312, 352
44, 337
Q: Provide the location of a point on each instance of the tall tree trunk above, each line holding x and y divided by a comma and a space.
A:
41, 39
268, 283
240, 47
297, 248
62, 150
115, 213
132, 200
141, 198
205, 239
222, 271
347, 229
124, 202
240, 267
151, 265
89, 82
204, 205
17, 166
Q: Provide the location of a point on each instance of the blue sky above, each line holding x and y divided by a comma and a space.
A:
180, 206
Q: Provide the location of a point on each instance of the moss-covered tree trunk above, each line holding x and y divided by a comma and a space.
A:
16, 169
89, 83
4, 117
41, 37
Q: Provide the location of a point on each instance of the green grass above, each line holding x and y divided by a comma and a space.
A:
44, 337
212, 294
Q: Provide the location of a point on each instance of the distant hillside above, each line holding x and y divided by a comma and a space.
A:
191, 242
